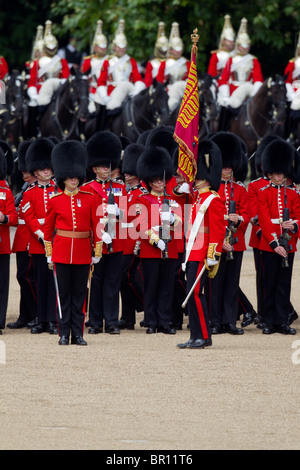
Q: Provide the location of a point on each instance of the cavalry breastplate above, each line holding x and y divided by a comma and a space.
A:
175, 69
96, 64
241, 68
119, 69
155, 66
52, 67
223, 56
296, 74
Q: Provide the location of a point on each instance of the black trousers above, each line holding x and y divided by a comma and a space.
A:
105, 289
223, 292
28, 291
277, 288
259, 280
72, 286
244, 306
179, 293
159, 275
4, 287
197, 307
46, 296
131, 288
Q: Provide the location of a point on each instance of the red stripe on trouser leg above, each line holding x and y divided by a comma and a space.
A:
199, 305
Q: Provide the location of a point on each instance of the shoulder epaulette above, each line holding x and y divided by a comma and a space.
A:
86, 192
55, 194
144, 190
87, 182
240, 184
265, 187
88, 57
215, 193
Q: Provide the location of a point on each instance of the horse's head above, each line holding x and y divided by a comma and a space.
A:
207, 101
78, 88
276, 95
158, 100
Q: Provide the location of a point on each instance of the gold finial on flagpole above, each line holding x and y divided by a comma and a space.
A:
195, 39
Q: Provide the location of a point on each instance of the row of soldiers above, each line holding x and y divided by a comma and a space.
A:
137, 230
115, 75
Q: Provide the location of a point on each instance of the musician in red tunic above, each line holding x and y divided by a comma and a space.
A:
71, 215
278, 214
104, 154
8, 218
205, 235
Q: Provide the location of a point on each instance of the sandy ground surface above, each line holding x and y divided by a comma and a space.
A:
139, 392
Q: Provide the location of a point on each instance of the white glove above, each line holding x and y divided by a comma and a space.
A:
33, 95
289, 91
184, 188
161, 245
256, 87
167, 217
138, 86
102, 95
49, 261
95, 259
211, 262
112, 209
223, 95
106, 238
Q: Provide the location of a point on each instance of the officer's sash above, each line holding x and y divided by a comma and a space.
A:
124, 58
96, 186
196, 225
46, 67
176, 65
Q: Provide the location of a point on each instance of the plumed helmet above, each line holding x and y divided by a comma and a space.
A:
162, 136
278, 157
69, 160
104, 149
8, 153
50, 41
99, 39
243, 38
227, 31
38, 44
120, 39
22, 149
209, 163
231, 150
154, 162
38, 155
162, 43
175, 41
131, 155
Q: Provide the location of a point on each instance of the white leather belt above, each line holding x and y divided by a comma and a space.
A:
41, 221
276, 221
21, 222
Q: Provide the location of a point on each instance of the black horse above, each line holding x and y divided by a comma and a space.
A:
207, 107
261, 115
144, 111
66, 115
12, 111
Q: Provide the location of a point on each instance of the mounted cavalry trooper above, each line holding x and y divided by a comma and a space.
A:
92, 64
119, 75
160, 55
46, 75
37, 48
225, 50
292, 82
174, 71
242, 76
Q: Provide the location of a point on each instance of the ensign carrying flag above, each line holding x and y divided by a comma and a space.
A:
187, 125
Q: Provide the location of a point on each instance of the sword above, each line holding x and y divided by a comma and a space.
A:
193, 286
57, 292
89, 289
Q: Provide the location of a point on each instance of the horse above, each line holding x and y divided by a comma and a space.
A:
262, 114
146, 110
12, 111
67, 113
207, 107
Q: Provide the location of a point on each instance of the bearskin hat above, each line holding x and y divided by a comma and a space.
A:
266, 140
209, 163
104, 149
295, 172
38, 155
231, 150
131, 155
22, 149
69, 160
8, 153
278, 157
3, 165
142, 138
162, 136
242, 173
154, 162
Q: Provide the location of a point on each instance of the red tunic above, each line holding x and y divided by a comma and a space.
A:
7, 207
211, 232
22, 235
253, 189
71, 212
288, 74
106, 79
270, 212
228, 76
36, 81
102, 189
240, 198
3, 68
34, 208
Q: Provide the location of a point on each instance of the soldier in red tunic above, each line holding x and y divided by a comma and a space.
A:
278, 211
34, 208
156, 225
160, 55
25, 269
8, 218
3, 68
219, 57
205, 235
104, 154
224, 288
71, 215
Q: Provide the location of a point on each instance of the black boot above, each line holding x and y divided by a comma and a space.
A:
32, 122
100, 117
